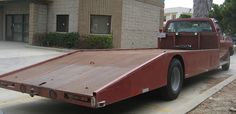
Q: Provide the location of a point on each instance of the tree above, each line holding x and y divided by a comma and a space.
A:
226, 16
201, 8
185, 15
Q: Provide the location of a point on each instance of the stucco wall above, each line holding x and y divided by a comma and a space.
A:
112, 8
1, 23
63, 7
140, 24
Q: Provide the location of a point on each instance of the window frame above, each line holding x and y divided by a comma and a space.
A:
66, 29
109, 21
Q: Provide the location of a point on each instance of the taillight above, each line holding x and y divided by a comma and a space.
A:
160, 30
77, 97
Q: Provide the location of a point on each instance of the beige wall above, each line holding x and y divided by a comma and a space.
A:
37, 20
63, 7
1, 23
101, 7
42, 18
140, 23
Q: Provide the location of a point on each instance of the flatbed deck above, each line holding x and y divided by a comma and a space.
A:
82, 72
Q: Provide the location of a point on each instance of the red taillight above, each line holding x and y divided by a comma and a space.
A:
160, 30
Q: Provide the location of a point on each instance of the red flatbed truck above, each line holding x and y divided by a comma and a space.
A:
186, 48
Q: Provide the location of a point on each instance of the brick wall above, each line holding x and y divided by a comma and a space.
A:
37, 21
140, 24
63, 7
42, 18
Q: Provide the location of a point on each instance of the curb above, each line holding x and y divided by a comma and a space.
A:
51, 49
201, 98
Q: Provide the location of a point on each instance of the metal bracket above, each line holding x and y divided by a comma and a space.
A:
101, 104
33, 92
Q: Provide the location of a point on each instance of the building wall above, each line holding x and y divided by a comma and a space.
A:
37, 21
60, 7
141, 23
1, 23
17, 8
42, 18
101, 7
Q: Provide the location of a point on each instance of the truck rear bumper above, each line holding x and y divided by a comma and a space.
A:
78, 99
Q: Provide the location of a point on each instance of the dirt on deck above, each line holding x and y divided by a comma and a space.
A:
220, 103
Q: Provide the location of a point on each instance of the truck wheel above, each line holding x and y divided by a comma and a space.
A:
226, 67
174, 80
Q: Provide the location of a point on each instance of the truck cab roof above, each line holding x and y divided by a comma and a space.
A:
193, 19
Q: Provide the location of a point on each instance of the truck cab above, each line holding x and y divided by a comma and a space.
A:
196, 34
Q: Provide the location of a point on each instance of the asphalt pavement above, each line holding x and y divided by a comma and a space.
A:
17, 55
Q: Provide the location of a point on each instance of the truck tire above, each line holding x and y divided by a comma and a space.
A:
226, 67
174, 80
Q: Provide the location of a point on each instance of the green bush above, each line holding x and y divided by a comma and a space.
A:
74, 40
65, 40
95, 42
185, 15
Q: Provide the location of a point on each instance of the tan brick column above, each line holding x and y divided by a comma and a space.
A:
32, 21
37, 21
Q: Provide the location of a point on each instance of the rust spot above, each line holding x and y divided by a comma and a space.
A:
92, 63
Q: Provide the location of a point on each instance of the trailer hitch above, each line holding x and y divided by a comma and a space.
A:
33, 92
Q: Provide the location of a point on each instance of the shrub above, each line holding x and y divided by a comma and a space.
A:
185, 16
65, 40
95, 42
74, 40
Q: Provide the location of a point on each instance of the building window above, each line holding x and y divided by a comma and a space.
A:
100, 24
62, 23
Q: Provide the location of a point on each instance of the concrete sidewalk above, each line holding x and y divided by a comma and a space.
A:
15, 55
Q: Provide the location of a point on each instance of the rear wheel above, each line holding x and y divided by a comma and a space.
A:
174, 80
